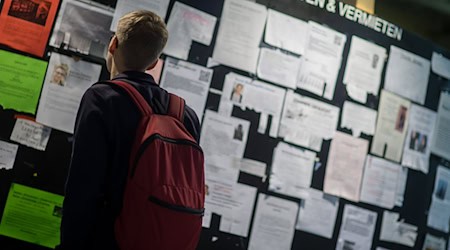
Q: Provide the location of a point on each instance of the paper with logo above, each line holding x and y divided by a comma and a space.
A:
32, 215
189, 81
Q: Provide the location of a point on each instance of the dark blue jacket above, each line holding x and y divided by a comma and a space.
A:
104, 131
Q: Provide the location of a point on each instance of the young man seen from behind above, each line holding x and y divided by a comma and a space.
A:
105, 129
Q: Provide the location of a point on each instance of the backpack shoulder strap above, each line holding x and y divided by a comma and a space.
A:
176, 107
137, 98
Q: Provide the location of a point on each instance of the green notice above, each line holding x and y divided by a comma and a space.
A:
21, 80
32, 215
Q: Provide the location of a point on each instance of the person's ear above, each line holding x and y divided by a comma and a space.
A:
153, 65
113, 44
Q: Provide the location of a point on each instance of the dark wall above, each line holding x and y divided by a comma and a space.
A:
47, 170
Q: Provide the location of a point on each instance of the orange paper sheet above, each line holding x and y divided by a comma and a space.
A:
25, 25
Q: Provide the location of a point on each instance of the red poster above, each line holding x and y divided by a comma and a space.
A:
25, 25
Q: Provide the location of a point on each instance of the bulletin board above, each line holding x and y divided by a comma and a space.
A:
47, 170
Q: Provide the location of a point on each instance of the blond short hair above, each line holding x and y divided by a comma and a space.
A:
62, 66
142, 36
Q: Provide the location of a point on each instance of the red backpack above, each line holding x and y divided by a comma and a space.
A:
164, 196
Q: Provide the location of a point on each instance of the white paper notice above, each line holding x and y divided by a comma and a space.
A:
239, 209
392, 125
401, 186
393, 230
123, 7
64, 86
441, 135
306, 121
416, 151
31, 134
189, 81
322, 60
233, 202
433, 243
440, 65
379, 186
223, 135
252, 167
442, 183
8, 153
246, 93
358, 118
345, 166
240, 32
364, 66
286, 32
357, 229
318, 212
82, 27
407, 75
221, 166
278, 67
292, 170
185, 25
273, 225
356, 93
439, 213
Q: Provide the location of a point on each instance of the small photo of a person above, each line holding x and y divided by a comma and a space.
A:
238, 132
401, 119
59, 74
422, 144
375, 59
413, 139
236, 94
441, 189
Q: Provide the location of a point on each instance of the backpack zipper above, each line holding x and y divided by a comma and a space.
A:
188, 210
158, 136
